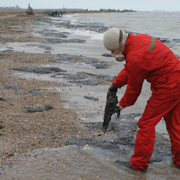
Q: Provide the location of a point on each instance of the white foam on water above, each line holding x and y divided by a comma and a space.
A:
81, 32
90, 34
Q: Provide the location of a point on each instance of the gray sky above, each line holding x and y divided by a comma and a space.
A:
139, 5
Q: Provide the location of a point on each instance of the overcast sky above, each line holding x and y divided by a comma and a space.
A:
139, 5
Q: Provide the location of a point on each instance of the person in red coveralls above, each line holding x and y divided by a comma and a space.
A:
148, 58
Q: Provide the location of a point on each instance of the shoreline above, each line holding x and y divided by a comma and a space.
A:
17, 93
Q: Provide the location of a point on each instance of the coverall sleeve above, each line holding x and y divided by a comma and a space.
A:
136, 76
121, 79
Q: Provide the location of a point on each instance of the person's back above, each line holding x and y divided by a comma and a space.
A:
149, 54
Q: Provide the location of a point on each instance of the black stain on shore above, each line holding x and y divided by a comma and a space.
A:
84, 78
95, 26
31, 93
38, 70
40, 46
78, 78
55, 41
37, 109
53, 33
94, 62
16, 86
91, 98
121, 137
3, 99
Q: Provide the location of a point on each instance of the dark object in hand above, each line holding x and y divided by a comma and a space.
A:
111, 106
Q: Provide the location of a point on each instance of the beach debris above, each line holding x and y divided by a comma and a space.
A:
83, 78
40, 46
16, 86
111, 106
58, 40
106, 55
39, 70
95, 27
82, 60
52, 33
91, 98
37, 109
3, 99
31, 93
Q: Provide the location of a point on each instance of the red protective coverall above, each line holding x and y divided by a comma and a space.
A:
148, 58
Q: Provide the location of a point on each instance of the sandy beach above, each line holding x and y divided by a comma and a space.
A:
22, 131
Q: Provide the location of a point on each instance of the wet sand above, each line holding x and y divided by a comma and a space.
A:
69, 75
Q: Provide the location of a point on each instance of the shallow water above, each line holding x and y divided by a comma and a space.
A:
72, 162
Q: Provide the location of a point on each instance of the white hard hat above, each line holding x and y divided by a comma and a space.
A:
113, 37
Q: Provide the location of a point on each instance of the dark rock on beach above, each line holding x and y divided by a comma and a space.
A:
51, 33
47, 52
7, 50
78, 78
55, 40
40, 46
16, 86
81, 59
96, 27
31, 93
38, 109
101, 77
39, 70
106, 55
58, 37
1, 126
83, 78
3, 99
91, 98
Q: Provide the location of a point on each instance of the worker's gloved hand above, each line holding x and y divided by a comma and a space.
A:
120, 107
112, 89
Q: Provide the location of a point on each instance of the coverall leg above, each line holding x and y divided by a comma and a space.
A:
156, 108
172, 119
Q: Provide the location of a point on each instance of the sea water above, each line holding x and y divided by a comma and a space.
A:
155, 23
162, 24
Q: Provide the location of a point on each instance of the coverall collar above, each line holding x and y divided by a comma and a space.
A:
128, 42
